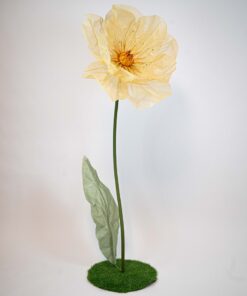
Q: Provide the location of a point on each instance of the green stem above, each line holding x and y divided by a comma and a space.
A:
117, 187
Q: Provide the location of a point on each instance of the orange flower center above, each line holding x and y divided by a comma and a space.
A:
126, 59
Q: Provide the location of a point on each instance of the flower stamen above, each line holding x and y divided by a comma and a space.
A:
125, 59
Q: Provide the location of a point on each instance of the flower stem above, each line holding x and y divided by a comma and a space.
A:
117, 187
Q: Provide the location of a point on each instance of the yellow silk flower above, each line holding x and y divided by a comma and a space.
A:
135, 56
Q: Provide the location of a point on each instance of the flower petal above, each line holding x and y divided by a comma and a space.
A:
161, 65
95, 35
111, 83
96, 70
122, 16
153, 48
117, 25
148, 93
147, 36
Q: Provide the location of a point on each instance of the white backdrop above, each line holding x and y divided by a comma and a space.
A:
182, 163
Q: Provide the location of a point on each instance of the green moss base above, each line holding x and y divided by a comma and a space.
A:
137, 276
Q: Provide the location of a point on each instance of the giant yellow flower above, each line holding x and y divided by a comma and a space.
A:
135, 56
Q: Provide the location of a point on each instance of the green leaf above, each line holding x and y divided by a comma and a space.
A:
103, 209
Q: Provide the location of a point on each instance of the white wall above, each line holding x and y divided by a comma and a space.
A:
182, 163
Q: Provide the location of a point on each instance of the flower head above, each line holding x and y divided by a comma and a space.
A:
135, 56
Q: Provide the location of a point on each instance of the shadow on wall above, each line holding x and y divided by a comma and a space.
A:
54, 227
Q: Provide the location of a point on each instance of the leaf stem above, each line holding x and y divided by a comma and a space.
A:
117, 187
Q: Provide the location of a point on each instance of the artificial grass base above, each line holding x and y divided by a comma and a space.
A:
137, 276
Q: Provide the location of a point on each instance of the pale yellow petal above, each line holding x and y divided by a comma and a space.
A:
159, 66
95, 35
111, 83
164, 65
96, 70
153, 49
117, 24
116, 89
121, 73
147, 36
122, 16
170, 47
148, 93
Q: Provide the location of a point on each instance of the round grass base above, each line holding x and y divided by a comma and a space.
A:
137, 276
